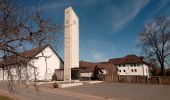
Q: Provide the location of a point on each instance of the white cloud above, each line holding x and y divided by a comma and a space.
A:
98, 56
100, 50
124, 12
162, 3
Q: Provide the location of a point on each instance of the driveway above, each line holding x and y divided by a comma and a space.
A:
123, 91
99, 91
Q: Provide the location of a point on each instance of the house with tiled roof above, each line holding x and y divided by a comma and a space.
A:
131, 65
44, 59
87, 68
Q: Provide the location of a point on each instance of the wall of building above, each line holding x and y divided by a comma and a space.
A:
47, 62
86, 74
133, 69
14, 72
89, 74
3, 75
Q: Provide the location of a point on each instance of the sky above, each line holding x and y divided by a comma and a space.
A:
107, 28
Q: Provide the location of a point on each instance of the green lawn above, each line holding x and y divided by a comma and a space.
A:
2, 97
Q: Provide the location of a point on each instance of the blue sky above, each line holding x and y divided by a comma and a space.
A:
108, 28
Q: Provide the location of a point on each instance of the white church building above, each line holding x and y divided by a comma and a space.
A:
47, 60
44, 59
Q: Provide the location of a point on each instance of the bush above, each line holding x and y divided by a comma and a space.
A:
54, 77
55, 85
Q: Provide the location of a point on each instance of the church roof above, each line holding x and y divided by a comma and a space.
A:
25, 56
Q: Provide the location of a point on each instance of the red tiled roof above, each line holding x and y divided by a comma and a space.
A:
24, 56
89, 66
129, 59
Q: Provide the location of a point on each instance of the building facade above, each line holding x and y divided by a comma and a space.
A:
44, 61
131, 65
87, 68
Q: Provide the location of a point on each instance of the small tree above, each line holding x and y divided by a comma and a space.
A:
155, 42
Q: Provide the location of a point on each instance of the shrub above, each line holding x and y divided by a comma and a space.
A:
54, 77
55, 85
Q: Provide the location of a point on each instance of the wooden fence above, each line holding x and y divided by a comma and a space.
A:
137, 79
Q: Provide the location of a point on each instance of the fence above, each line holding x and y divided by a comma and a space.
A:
138, 79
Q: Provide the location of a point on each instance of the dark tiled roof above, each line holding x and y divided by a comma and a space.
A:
89, 66
129, 59
24, 56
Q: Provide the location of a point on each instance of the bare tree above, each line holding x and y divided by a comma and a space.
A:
19, 28
155, 42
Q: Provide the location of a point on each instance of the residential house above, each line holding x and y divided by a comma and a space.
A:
131, 65
87, 68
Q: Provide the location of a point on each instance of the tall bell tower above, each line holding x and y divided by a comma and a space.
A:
71, 43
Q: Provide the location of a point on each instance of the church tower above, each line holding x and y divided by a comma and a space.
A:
71, 43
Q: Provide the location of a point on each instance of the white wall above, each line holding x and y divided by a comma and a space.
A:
49, 62
139, 69
53, 62
89, 74
86, 74
13, 71
1, 74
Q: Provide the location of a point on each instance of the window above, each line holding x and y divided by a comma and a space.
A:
124, 70
131, 70
123, 65
119, 65
134, 65
135, 70
119, 70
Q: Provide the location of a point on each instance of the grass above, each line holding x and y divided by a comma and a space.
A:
2, 97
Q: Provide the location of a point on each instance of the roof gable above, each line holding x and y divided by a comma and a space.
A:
129, 59
26, 56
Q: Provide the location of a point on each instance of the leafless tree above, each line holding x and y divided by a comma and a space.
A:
155, 42
20, 28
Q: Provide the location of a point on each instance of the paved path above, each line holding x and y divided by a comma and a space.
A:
51, 94
100, 91
123, 91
